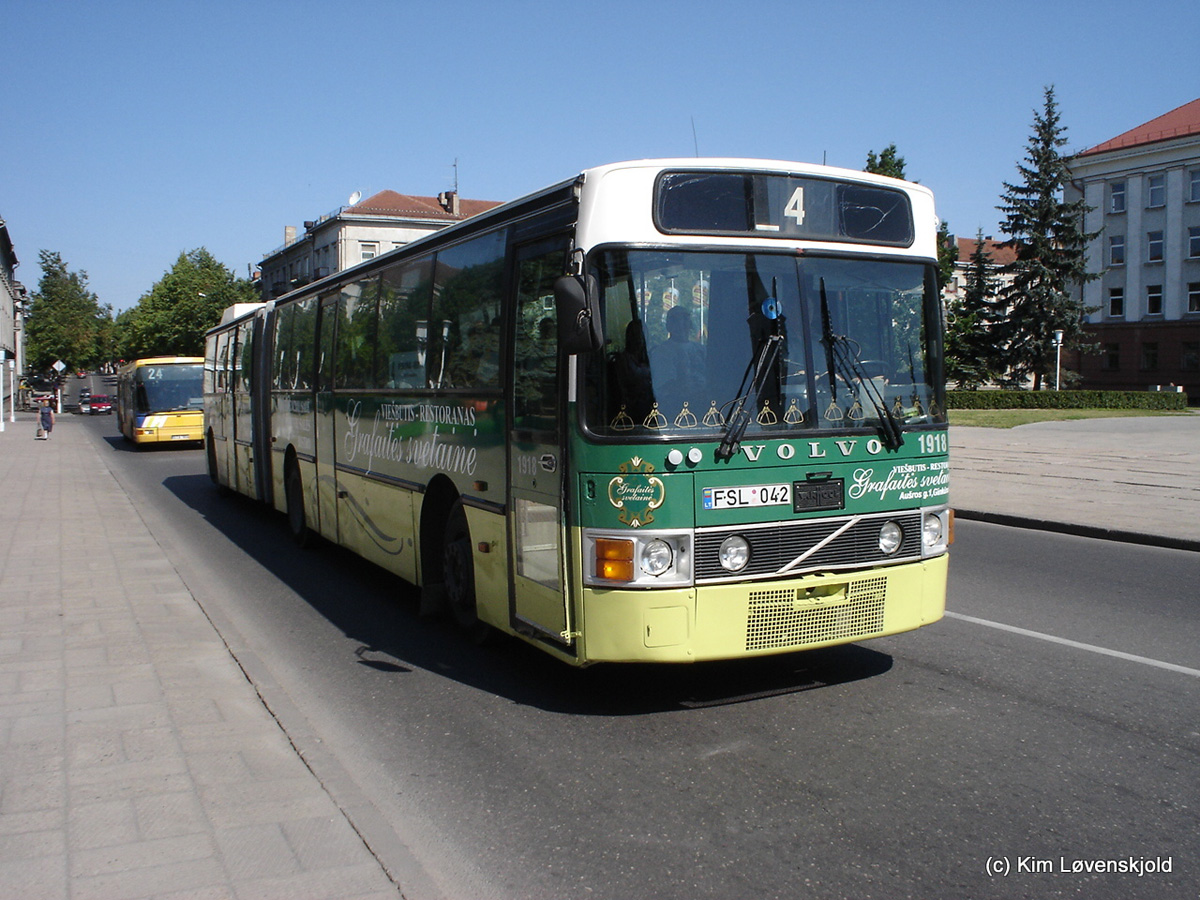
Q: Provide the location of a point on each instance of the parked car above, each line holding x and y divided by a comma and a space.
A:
100, 404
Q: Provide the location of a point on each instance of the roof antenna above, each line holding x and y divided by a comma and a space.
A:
456, 174
695, 142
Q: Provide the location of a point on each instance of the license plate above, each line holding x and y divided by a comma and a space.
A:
750, 495
180, 437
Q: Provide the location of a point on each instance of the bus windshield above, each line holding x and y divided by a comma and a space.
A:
166, 388
699, 343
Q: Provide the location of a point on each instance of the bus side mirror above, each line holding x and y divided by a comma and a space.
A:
577, 310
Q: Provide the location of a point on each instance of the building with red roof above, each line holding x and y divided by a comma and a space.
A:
359, 231
1144, 189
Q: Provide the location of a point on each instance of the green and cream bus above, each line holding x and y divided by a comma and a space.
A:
666, 410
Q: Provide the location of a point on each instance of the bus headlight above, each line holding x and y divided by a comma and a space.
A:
637, 559
657, 557
891, 536
734, 553
937, 530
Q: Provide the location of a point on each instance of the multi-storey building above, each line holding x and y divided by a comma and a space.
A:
1144, 190
13, 300
360, 231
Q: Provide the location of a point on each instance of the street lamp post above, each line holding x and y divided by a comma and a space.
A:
1058, 341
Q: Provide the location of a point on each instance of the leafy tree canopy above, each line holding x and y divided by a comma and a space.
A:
66, 321
173, 316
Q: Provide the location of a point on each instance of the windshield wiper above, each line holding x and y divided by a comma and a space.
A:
842, 361
757, 373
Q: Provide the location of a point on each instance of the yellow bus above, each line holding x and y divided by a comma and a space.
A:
161, 400
664, 411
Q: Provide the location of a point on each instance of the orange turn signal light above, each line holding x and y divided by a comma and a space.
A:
614, 559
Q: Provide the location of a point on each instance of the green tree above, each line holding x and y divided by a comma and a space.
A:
1050, 264
970, 347
889, 162
173, 316
947, 254
66, 321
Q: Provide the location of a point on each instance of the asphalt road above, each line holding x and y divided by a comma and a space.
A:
967, 759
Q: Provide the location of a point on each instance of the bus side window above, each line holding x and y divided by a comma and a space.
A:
222, 372
245, 355
356, 337
304, 334
403, 310
283, 375
465, 334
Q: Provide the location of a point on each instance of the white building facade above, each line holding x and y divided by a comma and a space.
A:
13, 301
1144, 190
361, 231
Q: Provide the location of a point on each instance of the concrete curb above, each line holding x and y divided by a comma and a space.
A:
1088, 531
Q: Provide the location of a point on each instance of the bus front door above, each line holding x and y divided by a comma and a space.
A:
535, 450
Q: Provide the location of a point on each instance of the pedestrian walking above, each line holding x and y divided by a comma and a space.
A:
45, 420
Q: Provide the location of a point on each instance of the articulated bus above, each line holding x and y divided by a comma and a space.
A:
161, 400
669, 411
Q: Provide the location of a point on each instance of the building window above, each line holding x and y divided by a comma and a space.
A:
1116, 197
1194, 242
1116, 302
1156, 191
1194, 296
1116, 250
1150, 356
1154, 299
368, 250
1194, 193
1154, 246
1189, 356
1111, 362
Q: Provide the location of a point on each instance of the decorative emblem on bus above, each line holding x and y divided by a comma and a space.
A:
636, 493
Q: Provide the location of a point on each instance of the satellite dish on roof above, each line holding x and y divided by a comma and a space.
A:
354, 198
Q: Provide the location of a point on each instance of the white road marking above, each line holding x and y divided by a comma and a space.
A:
1091, 648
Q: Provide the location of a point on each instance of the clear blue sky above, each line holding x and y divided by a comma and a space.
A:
133, 131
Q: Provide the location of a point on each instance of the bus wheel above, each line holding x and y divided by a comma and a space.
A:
297, 522
458, 567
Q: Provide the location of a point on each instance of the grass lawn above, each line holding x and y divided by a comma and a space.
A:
1010, 418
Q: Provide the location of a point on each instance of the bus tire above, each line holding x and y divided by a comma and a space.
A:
297, 521
458, 568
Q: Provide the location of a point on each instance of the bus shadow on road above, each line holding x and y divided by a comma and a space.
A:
378, 613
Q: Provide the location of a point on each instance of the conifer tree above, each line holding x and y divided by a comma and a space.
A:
1050, 266
970, 347
888, 163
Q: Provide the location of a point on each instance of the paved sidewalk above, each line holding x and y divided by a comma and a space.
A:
1130, 479
136, 759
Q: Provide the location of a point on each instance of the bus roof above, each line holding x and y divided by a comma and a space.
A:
163, 361
594, 175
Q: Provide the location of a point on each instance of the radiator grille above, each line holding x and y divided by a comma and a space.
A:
772, 549
779, 618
